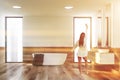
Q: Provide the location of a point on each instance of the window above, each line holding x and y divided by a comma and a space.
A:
79, 26
13, 39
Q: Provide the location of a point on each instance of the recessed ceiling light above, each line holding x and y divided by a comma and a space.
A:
17, 7
68, 7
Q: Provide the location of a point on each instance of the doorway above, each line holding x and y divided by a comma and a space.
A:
79, 27
13, 39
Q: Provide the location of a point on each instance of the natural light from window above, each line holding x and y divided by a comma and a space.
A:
14, 39
79, 27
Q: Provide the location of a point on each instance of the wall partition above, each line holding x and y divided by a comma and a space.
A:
13, 39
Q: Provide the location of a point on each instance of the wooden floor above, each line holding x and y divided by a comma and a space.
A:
25, 71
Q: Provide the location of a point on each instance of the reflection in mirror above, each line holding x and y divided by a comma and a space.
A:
103, 32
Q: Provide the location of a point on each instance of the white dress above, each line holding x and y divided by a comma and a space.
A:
82, 50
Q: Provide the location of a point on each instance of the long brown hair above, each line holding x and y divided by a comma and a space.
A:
81, 39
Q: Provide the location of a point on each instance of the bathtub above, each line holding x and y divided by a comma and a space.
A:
50, 58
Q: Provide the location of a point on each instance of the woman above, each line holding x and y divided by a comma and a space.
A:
82, 50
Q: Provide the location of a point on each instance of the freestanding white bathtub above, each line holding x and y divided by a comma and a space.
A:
52, 58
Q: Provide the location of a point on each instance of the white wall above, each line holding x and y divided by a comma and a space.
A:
115, 28
47, 31
2, 31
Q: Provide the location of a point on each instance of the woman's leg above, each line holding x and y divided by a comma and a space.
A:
86, 63
79, 64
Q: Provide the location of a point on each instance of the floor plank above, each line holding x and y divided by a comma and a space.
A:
25, 71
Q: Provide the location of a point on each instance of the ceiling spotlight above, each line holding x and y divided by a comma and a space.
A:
17, 7
68, 7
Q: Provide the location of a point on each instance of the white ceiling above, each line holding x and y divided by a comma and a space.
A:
51, 7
